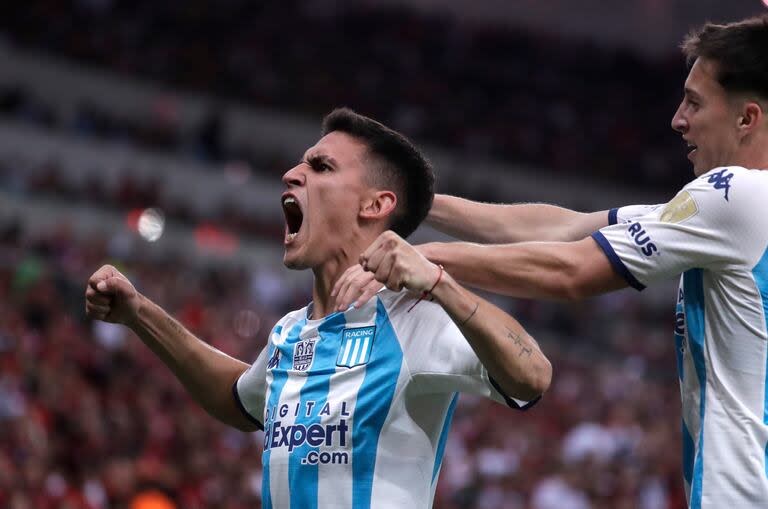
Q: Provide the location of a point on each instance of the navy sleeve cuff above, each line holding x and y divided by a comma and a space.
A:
616, 262
240, 405
511, 403
613, 216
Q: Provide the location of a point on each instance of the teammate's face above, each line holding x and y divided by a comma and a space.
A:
708, 119
323, 199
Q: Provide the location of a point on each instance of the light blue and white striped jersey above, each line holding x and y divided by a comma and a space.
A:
715, 233
356, 406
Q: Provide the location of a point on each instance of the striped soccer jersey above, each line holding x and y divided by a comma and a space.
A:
356, 406
715, 233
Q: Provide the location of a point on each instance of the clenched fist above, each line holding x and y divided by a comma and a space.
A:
110, 297
397, 264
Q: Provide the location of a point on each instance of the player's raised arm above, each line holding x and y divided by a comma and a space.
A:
500, 224
208, 374
511, 356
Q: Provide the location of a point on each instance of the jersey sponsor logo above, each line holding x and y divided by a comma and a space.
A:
682, 207
304, 354
329, 435
721, 180
641, 238
274, 361
356, 345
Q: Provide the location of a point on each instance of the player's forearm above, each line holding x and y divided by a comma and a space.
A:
535, 270
207, 373
500, 223
512, 357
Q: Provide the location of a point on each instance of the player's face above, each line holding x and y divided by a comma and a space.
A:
322, 201
708, 119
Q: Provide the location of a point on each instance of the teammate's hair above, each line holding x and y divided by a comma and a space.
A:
394, 164
740, 50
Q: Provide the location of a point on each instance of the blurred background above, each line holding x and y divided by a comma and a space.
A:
152, 135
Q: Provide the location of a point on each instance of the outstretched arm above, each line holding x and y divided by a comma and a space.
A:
507, 351
500, 224
537, 270
207, 373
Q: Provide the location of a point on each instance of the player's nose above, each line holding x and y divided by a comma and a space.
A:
294, 177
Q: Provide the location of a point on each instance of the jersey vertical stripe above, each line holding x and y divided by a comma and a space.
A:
303, 478
276, 384
760, 273
373, 404
694, 315
444, 437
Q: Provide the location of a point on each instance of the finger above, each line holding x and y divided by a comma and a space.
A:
394, 281
93, 309
384, 268
98, 298
381, 241
369, 291
376, 258
354, 289
113, 286
104, 272
346, 278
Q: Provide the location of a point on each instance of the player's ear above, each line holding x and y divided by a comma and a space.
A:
751, 117
378, 204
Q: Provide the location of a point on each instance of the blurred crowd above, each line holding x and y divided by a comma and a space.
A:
22, 177
90, 419
557, 103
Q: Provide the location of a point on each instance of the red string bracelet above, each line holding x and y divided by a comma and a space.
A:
427, 293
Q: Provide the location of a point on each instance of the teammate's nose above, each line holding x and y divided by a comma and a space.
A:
679, 123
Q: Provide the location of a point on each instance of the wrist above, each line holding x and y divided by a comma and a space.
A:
133, 318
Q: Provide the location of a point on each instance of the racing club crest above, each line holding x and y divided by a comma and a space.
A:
304, 354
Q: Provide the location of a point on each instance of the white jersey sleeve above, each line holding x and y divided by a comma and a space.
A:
440, 359
624, 214
706, 225
251, 386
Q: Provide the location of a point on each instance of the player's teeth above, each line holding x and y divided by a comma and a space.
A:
289, 200
291, 236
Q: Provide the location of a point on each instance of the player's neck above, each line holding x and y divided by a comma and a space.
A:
329, 272
754, 155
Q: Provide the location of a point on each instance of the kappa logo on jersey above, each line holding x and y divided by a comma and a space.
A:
642, 239
721, 180
304, 354
356, 345
274, 361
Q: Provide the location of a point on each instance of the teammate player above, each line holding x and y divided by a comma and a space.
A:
355, 405
714, 232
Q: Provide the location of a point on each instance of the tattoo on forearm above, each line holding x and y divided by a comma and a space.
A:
520, 343
175, 326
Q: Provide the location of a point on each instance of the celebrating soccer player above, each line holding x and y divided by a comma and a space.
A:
714, 232
355, 405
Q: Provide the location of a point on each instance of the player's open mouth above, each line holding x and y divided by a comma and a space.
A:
690, 148
294, 217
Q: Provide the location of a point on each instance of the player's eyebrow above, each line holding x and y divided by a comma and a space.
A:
692, 93
313, 159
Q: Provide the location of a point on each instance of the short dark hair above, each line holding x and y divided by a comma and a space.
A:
740, 50
397, 165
